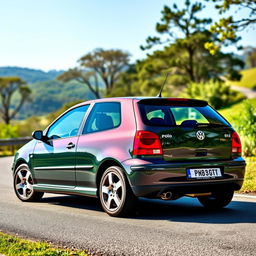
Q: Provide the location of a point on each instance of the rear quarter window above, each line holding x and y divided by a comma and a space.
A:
103, 116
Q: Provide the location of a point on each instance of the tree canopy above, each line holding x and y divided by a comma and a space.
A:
226, 28
184, 35
9, 86
99, 67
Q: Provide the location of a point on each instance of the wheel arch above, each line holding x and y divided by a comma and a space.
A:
18, 163
104, 165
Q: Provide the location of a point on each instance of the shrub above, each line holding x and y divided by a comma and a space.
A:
217, 94
8, 131
246, 126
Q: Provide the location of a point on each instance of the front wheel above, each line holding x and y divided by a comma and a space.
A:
116, 196
23, 185
217, 200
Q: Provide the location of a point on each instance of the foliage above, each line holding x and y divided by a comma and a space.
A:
14, 246
246, 126
216, 93
98, 66
9, 86
29, 75
8, 131
227, 27
125, 84
236, 110
250, 176
185, 58
248, 78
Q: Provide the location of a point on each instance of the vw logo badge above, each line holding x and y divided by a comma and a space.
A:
200, 135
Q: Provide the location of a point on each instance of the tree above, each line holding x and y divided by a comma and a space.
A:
9, 86
125, 84
227, 27
185, 57
99, 66
185, 22
250, 55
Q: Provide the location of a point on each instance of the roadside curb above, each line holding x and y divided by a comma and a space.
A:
245, 196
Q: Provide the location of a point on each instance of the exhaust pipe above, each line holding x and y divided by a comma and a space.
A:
166, 195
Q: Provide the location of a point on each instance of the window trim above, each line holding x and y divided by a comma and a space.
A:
46, 130
84, 124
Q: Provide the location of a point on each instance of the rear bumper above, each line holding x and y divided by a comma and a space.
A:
152, 179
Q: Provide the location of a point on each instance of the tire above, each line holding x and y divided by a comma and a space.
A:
116, 196
23, 185
217, 200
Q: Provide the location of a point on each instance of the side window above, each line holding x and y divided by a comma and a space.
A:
68, 125
104, 116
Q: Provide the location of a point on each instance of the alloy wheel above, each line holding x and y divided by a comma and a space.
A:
112, 191
23, 184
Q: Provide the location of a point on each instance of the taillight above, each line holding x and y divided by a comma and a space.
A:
236, 144
147, 143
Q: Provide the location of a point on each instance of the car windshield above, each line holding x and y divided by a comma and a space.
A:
187, 116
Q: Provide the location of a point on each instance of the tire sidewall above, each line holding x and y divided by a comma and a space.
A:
118, 171
23, 167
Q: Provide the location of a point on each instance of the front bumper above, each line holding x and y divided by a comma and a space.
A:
150, 179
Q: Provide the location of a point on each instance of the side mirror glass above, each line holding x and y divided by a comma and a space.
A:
38, 135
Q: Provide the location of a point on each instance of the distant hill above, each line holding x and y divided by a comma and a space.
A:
49, 96
30, 75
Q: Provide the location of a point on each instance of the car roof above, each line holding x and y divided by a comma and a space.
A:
145, 100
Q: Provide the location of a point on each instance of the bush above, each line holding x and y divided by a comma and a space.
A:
217, 94
246, 126
8, 131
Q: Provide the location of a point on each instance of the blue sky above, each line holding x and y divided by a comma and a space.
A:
53, 34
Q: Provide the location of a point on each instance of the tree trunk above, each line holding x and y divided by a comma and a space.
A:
191, 64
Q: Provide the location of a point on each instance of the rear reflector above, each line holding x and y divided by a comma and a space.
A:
147, 143
236, 144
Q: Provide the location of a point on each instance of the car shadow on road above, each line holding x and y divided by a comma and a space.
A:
181, 210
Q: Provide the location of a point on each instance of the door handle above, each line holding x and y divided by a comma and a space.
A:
70, 145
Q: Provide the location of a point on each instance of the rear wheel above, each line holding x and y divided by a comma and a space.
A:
116, 196
23, 185
217, 200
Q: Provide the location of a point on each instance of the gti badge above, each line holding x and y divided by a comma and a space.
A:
200, 135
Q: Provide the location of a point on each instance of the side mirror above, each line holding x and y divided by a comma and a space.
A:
38, 135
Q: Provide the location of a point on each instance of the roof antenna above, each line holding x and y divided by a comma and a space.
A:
160, 93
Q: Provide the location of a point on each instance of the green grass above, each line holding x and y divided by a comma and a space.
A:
250, 176
15, 246
235, 110
248, 78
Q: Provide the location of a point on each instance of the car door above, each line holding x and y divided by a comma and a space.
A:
54, 160
102, 120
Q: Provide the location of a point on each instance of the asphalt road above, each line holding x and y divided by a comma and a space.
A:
179, 227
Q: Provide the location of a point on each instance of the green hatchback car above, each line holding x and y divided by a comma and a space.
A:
119, 149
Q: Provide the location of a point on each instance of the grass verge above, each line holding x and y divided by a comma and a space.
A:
250, 176
248, 78
15, 246
236, 110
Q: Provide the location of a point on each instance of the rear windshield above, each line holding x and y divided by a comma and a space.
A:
190, 116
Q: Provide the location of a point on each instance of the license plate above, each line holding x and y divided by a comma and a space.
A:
206, 173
